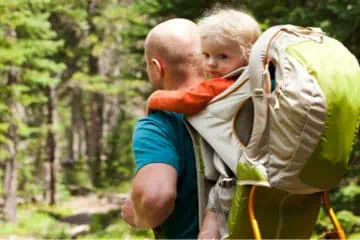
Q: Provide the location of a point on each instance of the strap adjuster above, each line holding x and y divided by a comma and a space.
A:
227, 182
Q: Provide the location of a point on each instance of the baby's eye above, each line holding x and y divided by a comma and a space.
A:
222, 56
206, 55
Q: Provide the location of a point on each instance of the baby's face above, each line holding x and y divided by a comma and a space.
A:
221, 56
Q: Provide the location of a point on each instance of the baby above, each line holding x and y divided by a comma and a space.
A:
226, 40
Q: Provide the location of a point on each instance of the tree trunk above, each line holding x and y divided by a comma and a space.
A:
87, 134
51, 146
76, 135
11, 181
40, 168
97, 105
11, 168
96, 136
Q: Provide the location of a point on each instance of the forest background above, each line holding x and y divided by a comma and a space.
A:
73, 83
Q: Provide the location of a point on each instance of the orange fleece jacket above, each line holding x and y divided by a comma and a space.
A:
189, 101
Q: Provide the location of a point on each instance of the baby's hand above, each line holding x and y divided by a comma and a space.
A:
148, 110
150, 102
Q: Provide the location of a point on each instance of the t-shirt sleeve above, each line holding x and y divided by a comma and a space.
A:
152, 143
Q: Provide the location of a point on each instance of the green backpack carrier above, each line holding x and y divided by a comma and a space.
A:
286, 128
305, 128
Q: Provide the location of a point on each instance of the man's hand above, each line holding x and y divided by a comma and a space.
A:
127, 212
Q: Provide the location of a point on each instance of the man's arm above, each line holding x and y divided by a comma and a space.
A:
190, 101
153, 194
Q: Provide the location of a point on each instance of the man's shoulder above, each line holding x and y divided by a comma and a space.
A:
160, 119
165, 115
155, 139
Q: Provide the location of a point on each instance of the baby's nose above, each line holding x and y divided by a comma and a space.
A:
212, 62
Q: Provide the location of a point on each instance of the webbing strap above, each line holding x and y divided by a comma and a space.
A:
332, 216
254, 224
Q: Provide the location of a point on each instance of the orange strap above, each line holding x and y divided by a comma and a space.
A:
332, 216
253, 222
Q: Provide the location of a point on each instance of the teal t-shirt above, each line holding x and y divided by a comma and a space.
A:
162, 137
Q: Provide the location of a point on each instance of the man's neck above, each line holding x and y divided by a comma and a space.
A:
183, 84
190, 83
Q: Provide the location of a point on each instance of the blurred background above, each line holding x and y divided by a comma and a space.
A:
73, 83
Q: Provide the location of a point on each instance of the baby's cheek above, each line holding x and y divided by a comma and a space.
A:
223, 72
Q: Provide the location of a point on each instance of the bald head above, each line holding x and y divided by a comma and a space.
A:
176, 43
173, 39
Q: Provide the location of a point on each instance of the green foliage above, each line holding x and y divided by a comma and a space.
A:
347, 197
120, 163
36, 224
76, 173
102, 220
54, 211
110, 226
339, 18
122, 187
119, 229
27, 45
354, 236
164, 9
62, 192
349, 222
28, 186
42, 221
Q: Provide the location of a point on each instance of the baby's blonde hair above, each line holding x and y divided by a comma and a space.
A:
231, 24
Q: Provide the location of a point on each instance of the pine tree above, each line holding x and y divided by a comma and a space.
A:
26, 47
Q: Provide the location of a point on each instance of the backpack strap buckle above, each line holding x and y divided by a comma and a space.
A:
258, 92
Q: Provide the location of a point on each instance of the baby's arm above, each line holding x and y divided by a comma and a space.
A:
190, 101
210, 228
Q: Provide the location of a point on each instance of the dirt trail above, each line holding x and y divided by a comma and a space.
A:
84, 206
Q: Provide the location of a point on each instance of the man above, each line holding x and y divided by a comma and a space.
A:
164, 191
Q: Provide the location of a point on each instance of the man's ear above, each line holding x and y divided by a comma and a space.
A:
158, 67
